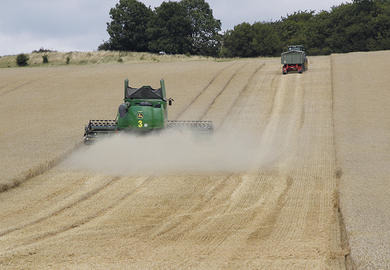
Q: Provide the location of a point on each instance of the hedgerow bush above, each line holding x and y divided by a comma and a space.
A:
22, 60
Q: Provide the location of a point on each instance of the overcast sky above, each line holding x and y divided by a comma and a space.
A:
80, 25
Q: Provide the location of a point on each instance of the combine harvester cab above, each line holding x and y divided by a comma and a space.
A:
294, 59
144, 110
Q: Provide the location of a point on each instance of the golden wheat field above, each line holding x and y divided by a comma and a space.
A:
295, 176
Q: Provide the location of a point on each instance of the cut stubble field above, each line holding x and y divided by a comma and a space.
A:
261, 193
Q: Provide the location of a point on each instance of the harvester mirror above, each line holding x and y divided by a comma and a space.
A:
122, 110
170, 101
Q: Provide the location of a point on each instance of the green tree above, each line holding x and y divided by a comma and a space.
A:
266, 41
205, 37
237, 42
292, 29
381, 27
127, 29
170, 29
317, 33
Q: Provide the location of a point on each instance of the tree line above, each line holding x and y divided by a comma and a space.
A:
188, 27
185, 27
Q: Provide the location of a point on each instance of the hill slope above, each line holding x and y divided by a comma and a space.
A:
261, 193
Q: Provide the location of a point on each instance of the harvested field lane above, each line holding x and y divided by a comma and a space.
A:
280, 212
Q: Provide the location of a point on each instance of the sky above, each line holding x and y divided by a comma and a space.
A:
80, 25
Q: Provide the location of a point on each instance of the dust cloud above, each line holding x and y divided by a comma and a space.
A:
169, 153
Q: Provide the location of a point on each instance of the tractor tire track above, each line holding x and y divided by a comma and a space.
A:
204, 89
37, 170
203, 103
206, 213
46, 77
187, 224
267, 224
89, 218
257, 218
82, 198
274, 87
63, 191
5, 92
220, 92
243, 91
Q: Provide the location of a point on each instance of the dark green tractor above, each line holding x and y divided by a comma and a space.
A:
144, 110
294, 59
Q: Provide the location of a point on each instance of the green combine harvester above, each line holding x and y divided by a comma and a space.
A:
144, 110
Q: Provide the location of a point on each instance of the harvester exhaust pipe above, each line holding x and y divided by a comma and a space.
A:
162, 84
126, 86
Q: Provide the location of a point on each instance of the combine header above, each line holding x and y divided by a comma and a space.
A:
294, 59
144, 110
